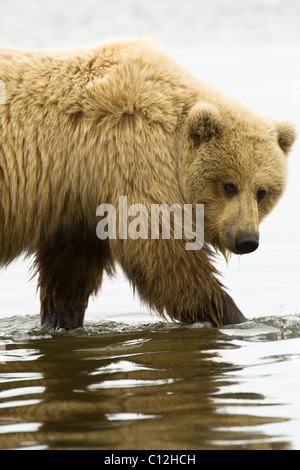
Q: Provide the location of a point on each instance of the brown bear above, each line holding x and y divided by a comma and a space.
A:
82, 128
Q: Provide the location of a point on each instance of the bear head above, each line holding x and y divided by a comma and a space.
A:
235, 163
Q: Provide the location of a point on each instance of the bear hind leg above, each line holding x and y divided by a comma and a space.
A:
68, 274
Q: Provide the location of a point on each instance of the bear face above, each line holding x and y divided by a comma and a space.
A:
237, 167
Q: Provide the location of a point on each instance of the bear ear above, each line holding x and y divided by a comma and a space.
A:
204, 123
286, 135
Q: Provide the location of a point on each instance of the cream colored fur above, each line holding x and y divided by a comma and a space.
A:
81, 128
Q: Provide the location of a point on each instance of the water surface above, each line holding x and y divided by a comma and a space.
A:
150, 386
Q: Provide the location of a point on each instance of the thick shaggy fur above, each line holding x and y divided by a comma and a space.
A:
81, 128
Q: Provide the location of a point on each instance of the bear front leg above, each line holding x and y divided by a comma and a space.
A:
175, 282
68, 274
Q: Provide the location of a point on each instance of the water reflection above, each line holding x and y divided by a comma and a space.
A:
151, 387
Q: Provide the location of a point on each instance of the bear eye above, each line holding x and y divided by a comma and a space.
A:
261, 193
230, 189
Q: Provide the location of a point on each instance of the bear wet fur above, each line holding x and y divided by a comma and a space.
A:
81, 128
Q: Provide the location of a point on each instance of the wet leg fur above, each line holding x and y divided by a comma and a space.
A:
68, 274
175, 283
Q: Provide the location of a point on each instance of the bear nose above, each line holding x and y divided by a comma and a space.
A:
246, 242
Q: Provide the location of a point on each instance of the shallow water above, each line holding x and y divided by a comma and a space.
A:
150, 386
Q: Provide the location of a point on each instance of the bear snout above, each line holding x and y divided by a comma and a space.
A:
246, 242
